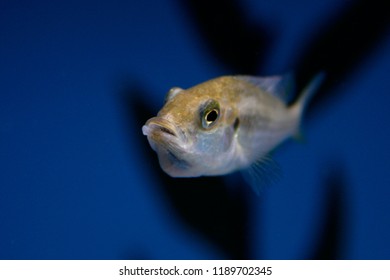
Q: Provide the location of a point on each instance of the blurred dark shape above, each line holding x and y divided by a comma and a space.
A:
339, 47
332, 232
238, 45
342, 44
204, 204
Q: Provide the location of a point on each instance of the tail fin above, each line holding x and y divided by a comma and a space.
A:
299, 106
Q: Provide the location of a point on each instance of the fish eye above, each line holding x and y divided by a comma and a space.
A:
209, 113
211, 116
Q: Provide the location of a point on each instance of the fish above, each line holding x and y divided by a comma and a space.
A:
226, 124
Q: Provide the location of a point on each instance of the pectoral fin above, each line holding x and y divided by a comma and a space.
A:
263, 172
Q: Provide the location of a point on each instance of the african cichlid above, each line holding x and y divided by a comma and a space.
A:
225, 124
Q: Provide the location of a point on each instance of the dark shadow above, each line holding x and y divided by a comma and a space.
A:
341, 45
237, 44
329, 241
204, 204
338, 48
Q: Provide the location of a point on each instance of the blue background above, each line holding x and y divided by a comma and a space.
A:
79, 181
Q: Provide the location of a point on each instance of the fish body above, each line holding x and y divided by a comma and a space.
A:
223, 125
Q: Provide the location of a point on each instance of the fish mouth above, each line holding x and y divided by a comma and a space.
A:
169, 141
161, 126
164, 132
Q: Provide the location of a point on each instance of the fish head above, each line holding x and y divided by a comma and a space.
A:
193, 133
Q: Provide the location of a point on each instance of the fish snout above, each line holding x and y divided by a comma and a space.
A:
164, 127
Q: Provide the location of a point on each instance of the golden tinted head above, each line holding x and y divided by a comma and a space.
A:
194, 129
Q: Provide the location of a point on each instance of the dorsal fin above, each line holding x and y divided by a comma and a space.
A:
278, 86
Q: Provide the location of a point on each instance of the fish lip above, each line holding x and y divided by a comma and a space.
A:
158, 126
169, 141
